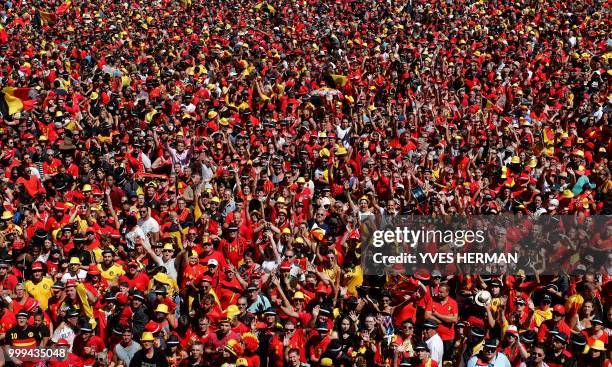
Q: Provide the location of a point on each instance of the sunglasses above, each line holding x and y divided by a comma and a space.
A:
538, 354
490, 350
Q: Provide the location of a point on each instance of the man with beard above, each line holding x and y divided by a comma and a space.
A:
109, 269
445, 311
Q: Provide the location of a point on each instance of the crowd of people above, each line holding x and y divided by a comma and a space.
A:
185, 183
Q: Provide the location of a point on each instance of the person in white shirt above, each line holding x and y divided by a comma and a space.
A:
489, 356
74, 271
148, 224
66, 330
433, 340
134, 231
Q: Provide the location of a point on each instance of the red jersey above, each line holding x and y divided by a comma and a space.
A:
447, 308
234, 251
95, 343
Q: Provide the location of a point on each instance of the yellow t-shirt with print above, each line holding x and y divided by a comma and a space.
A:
40, 291
111, 274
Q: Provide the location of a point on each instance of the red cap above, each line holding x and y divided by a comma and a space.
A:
18, 245
62, 343
422, 274
37, 266
153, 327
71, 283
285, 265
559, 309
60, 206
93, 270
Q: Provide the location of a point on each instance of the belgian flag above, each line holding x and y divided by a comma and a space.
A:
13, 100
335, 81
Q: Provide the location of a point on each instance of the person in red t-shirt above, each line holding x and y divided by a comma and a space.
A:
86, 345
557, 322
135, 278
445, 311
72, 360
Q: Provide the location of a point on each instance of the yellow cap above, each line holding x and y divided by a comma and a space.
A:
533, 163
215, 199
86, 187
232, 311
212, 114
7, 215
597, 345
324, 153
147, 336
298, 295
168, 246
75, 261
162, 308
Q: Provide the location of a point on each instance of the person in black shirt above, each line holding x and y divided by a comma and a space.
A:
42, 329
22, 335
79, 250
148, 356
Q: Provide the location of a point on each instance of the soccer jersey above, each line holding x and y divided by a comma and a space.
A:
41, 291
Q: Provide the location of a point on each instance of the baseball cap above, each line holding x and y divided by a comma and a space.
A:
421, 346
430, 324
559, 309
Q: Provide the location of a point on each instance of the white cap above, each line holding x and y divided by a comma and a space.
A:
213, 262
553, 203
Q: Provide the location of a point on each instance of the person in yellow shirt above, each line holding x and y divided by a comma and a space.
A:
109, 270
40, 286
